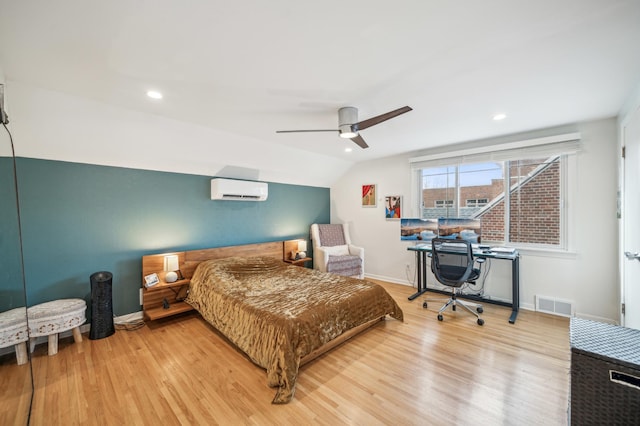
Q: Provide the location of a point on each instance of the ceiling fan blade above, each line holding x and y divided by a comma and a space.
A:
361, 143
306, 131
380, 118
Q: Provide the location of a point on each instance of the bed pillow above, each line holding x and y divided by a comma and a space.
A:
337, 250
250, 265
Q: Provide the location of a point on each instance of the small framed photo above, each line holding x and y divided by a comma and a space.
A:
368, 195
151, 280
393, 207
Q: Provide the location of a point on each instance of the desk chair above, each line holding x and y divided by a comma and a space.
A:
452, 263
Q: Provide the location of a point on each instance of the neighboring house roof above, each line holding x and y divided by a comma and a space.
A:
532, 174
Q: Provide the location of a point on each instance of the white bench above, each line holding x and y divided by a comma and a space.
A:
13, 331
51, 318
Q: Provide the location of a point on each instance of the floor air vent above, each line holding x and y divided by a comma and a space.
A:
554, 306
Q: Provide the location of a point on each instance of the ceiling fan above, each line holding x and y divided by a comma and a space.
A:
349, 126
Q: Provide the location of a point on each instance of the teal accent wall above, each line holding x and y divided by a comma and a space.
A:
78, 219
11, 279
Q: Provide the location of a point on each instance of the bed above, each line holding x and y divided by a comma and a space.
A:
281, 315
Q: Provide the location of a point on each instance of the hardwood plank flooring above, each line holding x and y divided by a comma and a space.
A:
420, 371
15, 391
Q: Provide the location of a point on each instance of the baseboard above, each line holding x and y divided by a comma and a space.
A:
134, 316
8, 350
528, 306
596, 318
84, 328
524, 306
389, 279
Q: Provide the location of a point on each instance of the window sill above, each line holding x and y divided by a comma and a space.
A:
547, 252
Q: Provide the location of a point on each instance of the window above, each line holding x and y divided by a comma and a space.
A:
532, 215
480, 181
443, 203
479, 202
517, 193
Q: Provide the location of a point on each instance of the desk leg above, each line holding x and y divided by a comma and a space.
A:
421, 272
515, 291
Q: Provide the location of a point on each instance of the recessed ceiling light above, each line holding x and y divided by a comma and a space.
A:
154, 94
499, 117
347, 149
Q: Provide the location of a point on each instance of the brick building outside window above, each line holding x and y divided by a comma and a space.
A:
478, 191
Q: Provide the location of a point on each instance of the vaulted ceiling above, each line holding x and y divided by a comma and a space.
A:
251, 68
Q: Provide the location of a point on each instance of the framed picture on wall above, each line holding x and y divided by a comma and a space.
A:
368, 195
393, 207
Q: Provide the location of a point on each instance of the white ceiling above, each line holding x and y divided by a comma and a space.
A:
251, 67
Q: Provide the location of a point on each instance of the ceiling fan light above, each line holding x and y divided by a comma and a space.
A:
347, 117
346, 131
348, 135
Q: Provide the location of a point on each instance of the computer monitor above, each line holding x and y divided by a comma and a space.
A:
463, 229
418, 229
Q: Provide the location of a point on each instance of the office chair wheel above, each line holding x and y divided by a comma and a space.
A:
440, 317
424, 304
479, 309
453, 307
480, 321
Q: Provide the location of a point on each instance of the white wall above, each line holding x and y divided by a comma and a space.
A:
55, 126
5, 147
90, 132
587, 275
626, 112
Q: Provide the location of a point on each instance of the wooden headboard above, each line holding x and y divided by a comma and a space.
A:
153, 298
189, 260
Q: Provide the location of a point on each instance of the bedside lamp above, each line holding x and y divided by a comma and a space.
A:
302, 249
171, 266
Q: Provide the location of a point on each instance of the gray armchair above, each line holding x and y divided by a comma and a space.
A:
333, 251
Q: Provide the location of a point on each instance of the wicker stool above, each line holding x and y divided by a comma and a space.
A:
51, 318
13, 331
605, 374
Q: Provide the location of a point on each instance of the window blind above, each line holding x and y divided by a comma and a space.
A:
532, 148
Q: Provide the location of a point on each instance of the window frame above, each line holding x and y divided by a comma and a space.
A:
565, 146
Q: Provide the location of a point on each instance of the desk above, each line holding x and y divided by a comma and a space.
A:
421, 267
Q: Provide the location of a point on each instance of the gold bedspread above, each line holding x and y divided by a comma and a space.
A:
277, 313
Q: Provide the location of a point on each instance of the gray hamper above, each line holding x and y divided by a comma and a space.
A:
605, 374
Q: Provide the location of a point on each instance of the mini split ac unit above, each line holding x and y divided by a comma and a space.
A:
239, 190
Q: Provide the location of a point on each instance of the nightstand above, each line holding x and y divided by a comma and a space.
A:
299, 262
152, 298
290, 247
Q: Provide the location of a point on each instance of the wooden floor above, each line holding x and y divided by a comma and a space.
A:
422, 371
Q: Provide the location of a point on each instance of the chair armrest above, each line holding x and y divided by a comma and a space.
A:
320, 259
356, 251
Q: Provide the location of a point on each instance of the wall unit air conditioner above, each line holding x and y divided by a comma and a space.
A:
239, 190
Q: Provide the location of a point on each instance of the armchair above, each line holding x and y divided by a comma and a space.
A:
333, 251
